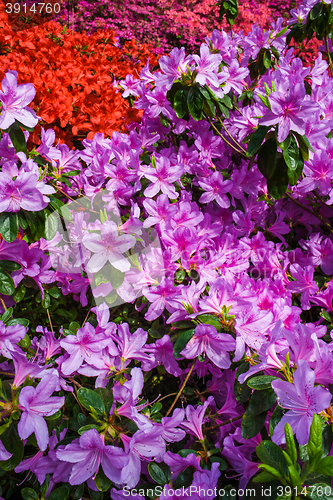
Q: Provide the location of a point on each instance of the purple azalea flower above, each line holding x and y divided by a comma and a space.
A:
207, 66
172, 66
21, 189
289, 109
89, 452
85, 345
162, 178
302, 400
15, 99
215, 188
9, 336
195, 418
108, 246
170, 433
4, 454
214, 345
244, 467
36, 403
162, 354
304, 283
24, 367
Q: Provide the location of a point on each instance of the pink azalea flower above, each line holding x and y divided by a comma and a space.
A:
109, 246
214, 345
162, 178
302, 400
36, 403
15, 99
195, 418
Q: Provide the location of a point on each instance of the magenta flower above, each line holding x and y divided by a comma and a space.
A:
36, 403
170, 432
215, 188
21, 189
289, 109
4, 454
207, 66
195, 418
89, 452
162, 178
304, 283
85, 345
302, 400
109, 246
214, 345
162, 354
15, 99
9, 336
172, 66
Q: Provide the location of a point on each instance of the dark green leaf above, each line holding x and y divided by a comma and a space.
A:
291, 154
116, 278
51, 226
78, 494
325, 466
286, 143
267, 158
7, 315
264, 477
25, 343
180, 102
294, 175
327, 439
7, 286
13, 444
181, 342
255, 140
102, 482
107, 397
88, 398
252, 424
61, 493
278, 183
18, 321
157, 474
9, 266
267, 60
184, 478
195, 102
315, 11
261, 401
17, 137
209, 108
71, 173
9, 226
46, 301
271, 454
86, 428
95, 495
261, 382
29, 494
209, 319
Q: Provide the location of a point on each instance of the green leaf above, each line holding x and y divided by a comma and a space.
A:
7, 286
61, 493
266, 159
78, 494
29, 494
291, 154
51, 226
252, 424
54, 292
116, 278
13, 444
304, 145
255, 139
316, 437
19, 293
261, 401
286, 143
294, 175
290, 442
102, 482
95, 495
209, 319
195, 102
264, 477
107, 397
271, 454
157, 474
278, 183
88, 398
295, 478
17, 137
18, 321
46, 301
181, 342
267, 60
9, 226
325, 466
262, 382
86, 428
25, 343
184, 479
271, 470
9, 266
7, 315
320, 491
315, 11
71, 173
180, 102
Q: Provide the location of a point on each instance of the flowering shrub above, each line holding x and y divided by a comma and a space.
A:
72, 76
166, 292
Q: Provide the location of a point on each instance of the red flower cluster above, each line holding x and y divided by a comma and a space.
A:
73, 75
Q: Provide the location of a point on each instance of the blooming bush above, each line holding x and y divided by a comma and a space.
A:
166, 293
72, 76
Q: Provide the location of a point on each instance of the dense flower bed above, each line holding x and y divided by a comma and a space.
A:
72, 74
166, 291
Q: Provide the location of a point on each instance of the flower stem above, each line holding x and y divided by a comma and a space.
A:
181, 389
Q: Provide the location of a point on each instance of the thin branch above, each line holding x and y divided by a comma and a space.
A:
181, 389
318, 216
225, 128
222, 137
48, 314
329, 55
226, 422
